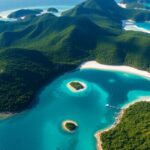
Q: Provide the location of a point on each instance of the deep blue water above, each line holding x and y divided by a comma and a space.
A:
40, 128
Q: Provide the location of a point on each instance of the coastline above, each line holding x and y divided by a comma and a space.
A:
4, 14
6, 115
124, 69
129, 25
122, 5
96, 65
118, 120
64, 125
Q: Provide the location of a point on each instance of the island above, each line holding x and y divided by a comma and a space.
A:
36, 51
24, 13
53, 10
76, 86
57, 43
69, 126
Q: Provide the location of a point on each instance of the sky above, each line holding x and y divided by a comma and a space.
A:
11, 4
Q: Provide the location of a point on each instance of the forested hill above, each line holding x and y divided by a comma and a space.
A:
35, 50
132, 132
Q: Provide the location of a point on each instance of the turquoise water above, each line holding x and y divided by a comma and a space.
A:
40, 128
147, 5
144, 25
118, 1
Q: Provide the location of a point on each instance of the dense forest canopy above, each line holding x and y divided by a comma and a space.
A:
133, 132
39, 48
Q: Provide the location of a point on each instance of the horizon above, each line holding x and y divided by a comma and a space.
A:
14, 4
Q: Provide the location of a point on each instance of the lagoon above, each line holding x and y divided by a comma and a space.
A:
144, 25
40, 128
130, 25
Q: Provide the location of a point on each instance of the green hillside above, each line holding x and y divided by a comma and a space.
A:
132, 132
22, 73
41, 48
24, 13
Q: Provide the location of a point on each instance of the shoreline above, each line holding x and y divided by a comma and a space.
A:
117, 121
6, 115
124, 69
122, 5
129, 25
65, 128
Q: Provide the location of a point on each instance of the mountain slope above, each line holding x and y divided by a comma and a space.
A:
97, 7
40, 48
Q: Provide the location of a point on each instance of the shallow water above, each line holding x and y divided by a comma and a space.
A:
144, 25
147, 5
40, 128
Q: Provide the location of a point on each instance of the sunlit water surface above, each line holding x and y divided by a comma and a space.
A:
40, 128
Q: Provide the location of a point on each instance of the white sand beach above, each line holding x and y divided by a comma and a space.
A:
118, 119
6, 115
122, 5
129, 25
125, 69
68, 121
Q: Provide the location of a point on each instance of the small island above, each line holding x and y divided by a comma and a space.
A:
53, 10
76, 86
69, 126
24, 13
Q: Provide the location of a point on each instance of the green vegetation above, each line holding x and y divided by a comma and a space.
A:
23, 72
53, 10
132, 132
35, 50
77, 85
71, 126
24, 12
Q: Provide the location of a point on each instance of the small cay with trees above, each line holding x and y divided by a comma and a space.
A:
70, 126
36, 50
76, 86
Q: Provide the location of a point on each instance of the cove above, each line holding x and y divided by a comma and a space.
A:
144, 25
40, 128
